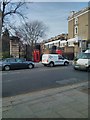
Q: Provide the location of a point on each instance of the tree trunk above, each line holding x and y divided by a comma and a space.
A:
32, 50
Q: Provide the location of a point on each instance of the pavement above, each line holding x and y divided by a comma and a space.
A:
63, 102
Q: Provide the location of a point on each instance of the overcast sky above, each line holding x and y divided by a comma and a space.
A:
53, 14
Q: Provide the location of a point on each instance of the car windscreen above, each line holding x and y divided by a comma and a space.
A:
85, 56
79, 55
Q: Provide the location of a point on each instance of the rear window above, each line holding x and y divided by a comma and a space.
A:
45, 56
18, 60
10, 60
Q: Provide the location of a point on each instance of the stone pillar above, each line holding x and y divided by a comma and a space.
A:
76, 49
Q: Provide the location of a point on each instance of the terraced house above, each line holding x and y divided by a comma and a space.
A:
79, 28
78, 39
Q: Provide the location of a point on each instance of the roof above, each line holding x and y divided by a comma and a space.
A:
72, 39
78, 13
56, 41
14, 38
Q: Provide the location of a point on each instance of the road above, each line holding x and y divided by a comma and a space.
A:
28, 80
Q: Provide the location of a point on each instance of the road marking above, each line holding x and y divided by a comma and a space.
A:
8, 81
10, 73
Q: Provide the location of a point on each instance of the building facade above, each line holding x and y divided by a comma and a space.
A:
14, 48
0, 22
59, 41
17, 49
5, 44
79, 27
0, 33
78, 37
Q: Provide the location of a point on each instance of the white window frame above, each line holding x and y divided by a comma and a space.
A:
76, 27
76, 20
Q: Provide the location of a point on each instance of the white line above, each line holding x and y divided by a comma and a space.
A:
7, 81
10, 73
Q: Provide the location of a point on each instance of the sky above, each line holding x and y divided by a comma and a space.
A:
53, 14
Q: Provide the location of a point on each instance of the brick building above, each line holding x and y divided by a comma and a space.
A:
17, 49
79, 27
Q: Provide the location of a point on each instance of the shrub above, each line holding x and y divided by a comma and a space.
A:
5, 54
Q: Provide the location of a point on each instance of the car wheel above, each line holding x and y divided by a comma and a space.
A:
75, 68
45, 65
51, 64
7, 68
66, 63
88, 69
30, 66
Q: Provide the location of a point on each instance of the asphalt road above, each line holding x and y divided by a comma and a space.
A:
23, 81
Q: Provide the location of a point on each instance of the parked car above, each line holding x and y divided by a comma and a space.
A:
83, 62
54, 59
15, 63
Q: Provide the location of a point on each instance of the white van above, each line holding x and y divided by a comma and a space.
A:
54, 59
83, 61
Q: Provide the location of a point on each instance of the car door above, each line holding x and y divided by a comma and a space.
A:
12, 63
24, 63
20, 63
60, 60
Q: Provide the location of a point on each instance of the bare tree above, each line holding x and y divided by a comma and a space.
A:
10, 8
32, 32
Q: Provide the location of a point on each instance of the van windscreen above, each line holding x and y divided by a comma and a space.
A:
85, 56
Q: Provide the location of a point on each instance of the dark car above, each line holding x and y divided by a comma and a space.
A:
15, 63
